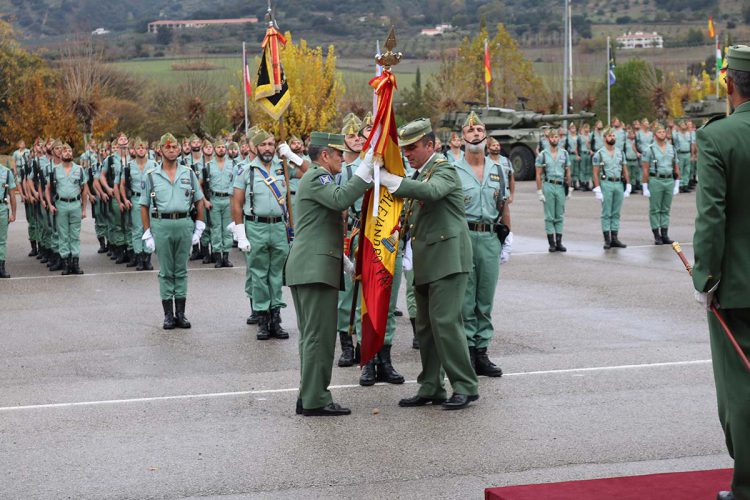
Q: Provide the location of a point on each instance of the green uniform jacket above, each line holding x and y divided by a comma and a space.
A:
437, 221
722, 226
318, 245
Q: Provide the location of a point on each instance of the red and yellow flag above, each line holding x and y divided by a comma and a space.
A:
271, 89
379, 236
487, 68
711, 30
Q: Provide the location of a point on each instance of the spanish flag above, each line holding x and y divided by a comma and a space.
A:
711, 30
271, 89
379, 236
487, 68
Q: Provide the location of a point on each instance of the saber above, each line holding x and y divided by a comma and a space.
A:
715, 310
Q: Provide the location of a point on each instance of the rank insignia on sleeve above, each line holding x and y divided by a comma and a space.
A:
325, 179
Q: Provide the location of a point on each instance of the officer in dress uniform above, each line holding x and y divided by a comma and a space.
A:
484, 186
314, 270
722, 263
166, 200
436, 222
7, 197
661, 175
609, 172
132, 181
552, 172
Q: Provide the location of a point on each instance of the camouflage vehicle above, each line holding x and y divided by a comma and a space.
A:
707, 108
519, 132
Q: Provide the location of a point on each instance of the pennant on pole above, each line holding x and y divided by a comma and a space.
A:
271, 89
711, 30
487, 68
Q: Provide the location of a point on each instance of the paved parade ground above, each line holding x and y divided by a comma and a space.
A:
606, 357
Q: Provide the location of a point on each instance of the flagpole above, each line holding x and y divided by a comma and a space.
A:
244, 82
565, 65
609, 84
718, 51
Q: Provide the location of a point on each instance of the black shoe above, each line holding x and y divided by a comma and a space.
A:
179, 314
225, 260
217, 259
132, 258
123, 257
208, 257
420, 401
357, 353
607, 240
657, 237
274, 325
683, 189
459, 401
665, 236
116, 249
74, 267
329, 410
725, 495
110, 249
558, 243
484, 366
367, 378
102, 245
42, 254
385, 372
140, 259
34, 252
58, 264
298, 407
235, 244
347, 350
196, 252
264, 333
147, 266
616, 243
414, 339
253, 318
551, 241
398, 313
3, 273
168, 314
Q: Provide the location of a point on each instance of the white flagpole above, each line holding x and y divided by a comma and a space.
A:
244, 83
609, 86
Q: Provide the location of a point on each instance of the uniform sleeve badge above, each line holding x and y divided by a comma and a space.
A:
325, 179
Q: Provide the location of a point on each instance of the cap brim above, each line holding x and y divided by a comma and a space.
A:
406, 142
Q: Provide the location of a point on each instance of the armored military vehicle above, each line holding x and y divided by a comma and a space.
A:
707, 108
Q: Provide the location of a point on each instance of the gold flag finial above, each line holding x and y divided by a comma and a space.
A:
390, 58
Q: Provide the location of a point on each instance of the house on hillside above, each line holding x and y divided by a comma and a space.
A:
155, 26
440, 29
640, 40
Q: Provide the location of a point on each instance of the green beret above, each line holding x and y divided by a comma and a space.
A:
259, 137
167, 140
413, 131
326, 140
220, 142
738, 58
472, 120
233, 146
194, 138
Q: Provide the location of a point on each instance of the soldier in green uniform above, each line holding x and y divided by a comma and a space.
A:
132, 182
314, 270
571, 146
207, 150
118, 223
442, 259
661, 176
260, 216
18, 165
217, 181
584, 149
609, 172
54, 159
69, 207
484, 186
596, 142
166, 199
454, 152
632, 158
552, 172
682, 141
722, 270
7, 197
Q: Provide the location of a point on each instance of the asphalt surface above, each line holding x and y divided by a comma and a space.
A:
606, 357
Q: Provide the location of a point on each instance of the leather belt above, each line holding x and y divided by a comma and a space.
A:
264, 220
481, 227
220, 195
612, 179
60, 198
559, 183
664, 176
135, 194
172, 216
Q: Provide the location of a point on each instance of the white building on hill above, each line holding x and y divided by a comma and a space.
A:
640, 40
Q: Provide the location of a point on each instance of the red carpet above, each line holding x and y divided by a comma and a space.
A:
698, 485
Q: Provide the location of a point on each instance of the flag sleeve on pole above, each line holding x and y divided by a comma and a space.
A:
271, 89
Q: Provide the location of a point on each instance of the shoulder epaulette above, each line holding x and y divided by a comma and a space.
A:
151, 170
713, 119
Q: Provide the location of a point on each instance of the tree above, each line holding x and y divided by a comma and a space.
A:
746, 11
164, 36
632, 94
413, 102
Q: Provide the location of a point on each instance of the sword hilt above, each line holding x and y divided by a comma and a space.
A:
678, 250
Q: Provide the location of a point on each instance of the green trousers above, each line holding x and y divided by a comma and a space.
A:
221, 217
660, 202
136, 231
733, 392
554, 207
45, 231
411, 302
585, 169
4, 208
634, 169
265, 264
100, 226
173, 240
116, 226
69, 228
32, 219
613, 194
480, 289
442, 342
575, 170
315, 305
683, 160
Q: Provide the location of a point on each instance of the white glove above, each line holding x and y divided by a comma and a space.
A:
148, 240
598, 193
286, 152
199, 227
390, 181
365, 167
230, 228
646, 192
348, 266
676, 189
507, 249
540, 195
240, 237
628, 190
408, 261
706, 298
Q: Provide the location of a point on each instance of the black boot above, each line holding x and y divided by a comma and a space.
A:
665, 236
253, 318
347, 350
110, 249
558, 243
74, 267
225, 260
41, 252
140, 260
147, 266
414, 339
196, 252
217, 258
3, 273
607, 240
34, 250
43, 256
179, 314
367, 378
551, 241
385, 370
67, 266
102, 245
657, 237
616, 243
116, 249
486, 367
58, 264
473, 357
208, 257
264, 332
168, 314
123, 257
132, 258
275, 328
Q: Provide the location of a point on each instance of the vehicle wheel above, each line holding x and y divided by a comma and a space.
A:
522, 159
